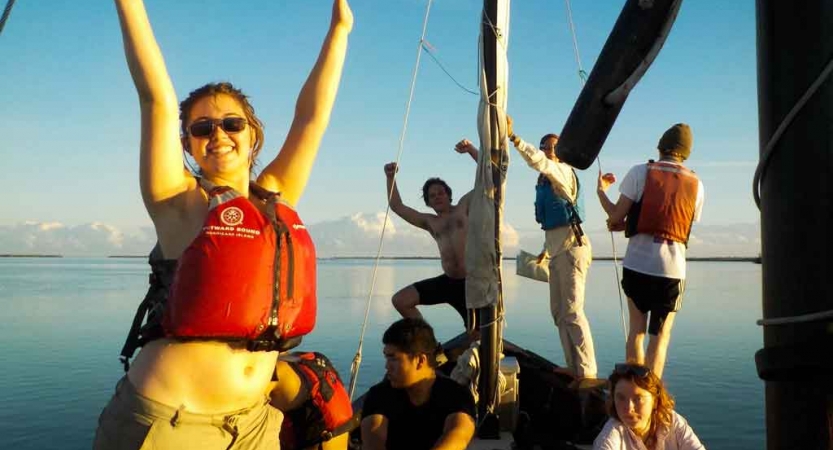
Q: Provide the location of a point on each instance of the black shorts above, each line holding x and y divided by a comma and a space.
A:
444, 289
657, 295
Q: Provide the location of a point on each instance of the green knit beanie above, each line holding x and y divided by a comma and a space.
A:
676, 139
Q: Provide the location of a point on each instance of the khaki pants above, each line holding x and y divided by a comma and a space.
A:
569, 264
133, 422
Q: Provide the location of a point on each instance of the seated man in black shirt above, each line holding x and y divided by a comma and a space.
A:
414, 408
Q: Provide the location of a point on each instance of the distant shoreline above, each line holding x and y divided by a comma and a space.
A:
752, 259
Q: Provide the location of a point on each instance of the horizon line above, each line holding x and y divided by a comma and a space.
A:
755, 259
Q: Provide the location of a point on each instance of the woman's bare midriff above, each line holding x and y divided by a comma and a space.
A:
204, 377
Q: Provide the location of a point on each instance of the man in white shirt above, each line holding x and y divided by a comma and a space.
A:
658, 202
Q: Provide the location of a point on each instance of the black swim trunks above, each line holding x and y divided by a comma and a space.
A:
657, 295
444, 289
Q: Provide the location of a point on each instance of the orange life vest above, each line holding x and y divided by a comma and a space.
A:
666, 209
326, 414
246, 276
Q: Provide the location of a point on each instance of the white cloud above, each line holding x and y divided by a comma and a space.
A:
355, 235
358, 235
92, 239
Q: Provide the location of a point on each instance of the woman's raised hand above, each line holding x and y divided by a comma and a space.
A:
342, 15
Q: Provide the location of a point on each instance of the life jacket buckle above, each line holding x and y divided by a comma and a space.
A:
261, 345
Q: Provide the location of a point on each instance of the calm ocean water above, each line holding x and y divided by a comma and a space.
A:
64, 322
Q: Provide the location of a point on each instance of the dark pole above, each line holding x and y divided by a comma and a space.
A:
6, 12
490, 337
636, 39
795, 44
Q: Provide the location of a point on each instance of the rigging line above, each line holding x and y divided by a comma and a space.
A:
354, 368
803, 318
6, 12
782, 127
582, 75
498, 39
498, 35
616, 271
500, 318
436, 60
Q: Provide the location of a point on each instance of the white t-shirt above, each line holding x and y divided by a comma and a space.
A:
616, 436
661, 259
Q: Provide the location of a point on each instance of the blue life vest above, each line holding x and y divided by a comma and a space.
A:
552, 211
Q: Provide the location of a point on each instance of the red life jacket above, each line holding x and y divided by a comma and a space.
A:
246, 276
326, 414
669, 199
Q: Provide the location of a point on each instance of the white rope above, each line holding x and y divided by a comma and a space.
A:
354, 369
498, 319
583, 77
495, 31
782, 127
758, 180
804, 318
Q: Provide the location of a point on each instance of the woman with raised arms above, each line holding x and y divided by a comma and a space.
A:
204, 382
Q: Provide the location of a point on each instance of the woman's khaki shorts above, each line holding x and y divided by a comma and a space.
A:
133, 422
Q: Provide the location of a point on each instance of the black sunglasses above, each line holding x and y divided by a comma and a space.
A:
205, 127
632, 369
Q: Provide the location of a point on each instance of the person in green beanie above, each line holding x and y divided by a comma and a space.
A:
658, 203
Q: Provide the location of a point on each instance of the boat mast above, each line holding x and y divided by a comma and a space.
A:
484, 284
490, 335
795, 44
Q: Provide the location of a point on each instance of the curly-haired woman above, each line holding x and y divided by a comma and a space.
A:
642, 415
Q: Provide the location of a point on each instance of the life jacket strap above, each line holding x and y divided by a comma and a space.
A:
575, 223
160, 279
267, 344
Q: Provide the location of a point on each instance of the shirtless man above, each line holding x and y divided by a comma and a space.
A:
448, 227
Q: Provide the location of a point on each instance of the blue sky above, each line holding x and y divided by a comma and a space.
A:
70, 126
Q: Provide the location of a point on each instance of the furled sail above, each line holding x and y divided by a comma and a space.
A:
483, 247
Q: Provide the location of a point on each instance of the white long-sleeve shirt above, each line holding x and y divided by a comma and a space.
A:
564, 184
561, 175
